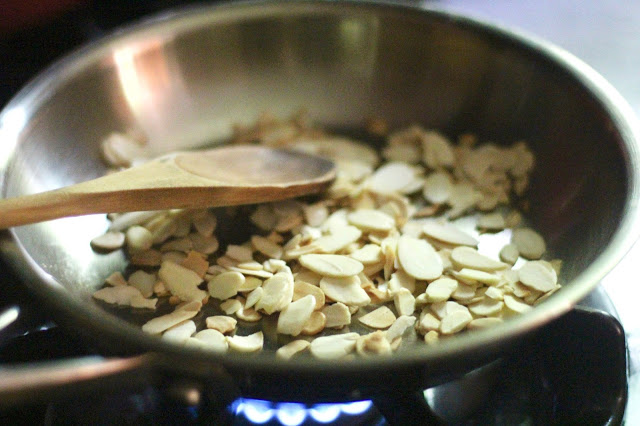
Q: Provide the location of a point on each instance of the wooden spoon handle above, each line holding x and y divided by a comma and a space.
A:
156, 185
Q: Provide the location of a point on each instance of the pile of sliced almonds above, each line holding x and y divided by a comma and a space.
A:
388, 249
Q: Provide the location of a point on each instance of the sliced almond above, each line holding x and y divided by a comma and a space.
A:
339, 238
441, 289
515, 304
404, 302
231, 306
333, 347
487, 307
437, 187
209, 339
291, 349
475, 275
331, 265
293, 317
116, 279
222, 323
302, 289
491, 222
509, 254
368, 254
266, 247
481, 323
379, 318
337, 315
143, 281
179, 333
371, 220
392, 177
399, 326
250, 284
196, 262
251, 343
315, 324
530, 244
225, 285
109, 241
159, 324
428, 322
181, 281
455, 322
467, 257
374, 343
448, 233
536, 275
125, 296
346, 290
418, 258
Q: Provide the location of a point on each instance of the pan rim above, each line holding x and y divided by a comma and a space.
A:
611, 102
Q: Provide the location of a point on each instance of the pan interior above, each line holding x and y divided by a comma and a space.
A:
186, 81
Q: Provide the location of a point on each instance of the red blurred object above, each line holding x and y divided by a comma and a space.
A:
18, 15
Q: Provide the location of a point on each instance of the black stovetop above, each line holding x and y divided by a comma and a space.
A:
574, 372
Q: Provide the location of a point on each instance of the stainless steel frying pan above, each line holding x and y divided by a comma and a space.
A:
185, 78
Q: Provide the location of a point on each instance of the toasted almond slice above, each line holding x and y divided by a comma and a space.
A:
239, 253
225, 285
143, 281
181, 282
428, 322
530, 244
391, 177
222, 323
250, 284
264, 217
441, 289
253, 297
196, 262
126, 296
374, 343
339, 238
371, 220
266, 247
205, 222
116, 279
346, 290
138, 238
464, 292
368, 254
437, 150
431, 337
248, 314
337, 315
109, 241
333, 347
293, 317
179, 244
231, 306
149, 257
491, 222
487, 307
315, 214
437, 187
481, 323
287, 351
209, 339
515, 304
278, 293
404, 302
331, 265
448, 233
203, 243
399, 326
179, 333
467, 257
536, 275
315, 324
380, 318
478, 276
251, 272
301, 289
418, 258
455, 322
494, 293
251, 343
251, 265
159, 324
401, 280
509, 254
442, 309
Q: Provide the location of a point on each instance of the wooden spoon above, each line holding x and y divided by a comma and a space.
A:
232, 175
